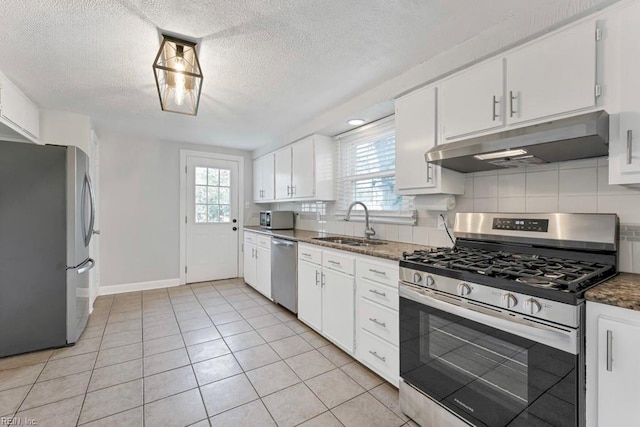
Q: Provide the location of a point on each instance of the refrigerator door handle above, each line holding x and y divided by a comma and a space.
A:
84, 266
88, 231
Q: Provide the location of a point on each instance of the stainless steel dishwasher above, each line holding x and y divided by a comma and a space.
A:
284, 273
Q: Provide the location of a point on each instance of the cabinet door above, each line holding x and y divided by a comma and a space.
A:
552, 76
303, 168
618, 391
415, 135
283, 173
472, 100
338, 309
628, 153
257, 180
250, 264
309, 295
263, 269
268, 175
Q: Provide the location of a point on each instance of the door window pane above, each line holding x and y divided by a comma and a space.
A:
213, 195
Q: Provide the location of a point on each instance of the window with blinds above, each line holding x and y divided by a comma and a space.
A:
366, 169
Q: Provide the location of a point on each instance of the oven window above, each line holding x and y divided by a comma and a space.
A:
485, 375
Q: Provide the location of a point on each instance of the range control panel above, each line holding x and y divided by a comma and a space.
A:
516, 224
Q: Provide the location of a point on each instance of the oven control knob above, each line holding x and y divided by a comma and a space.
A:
417, 278
430, 281
509, 300
464, 289
532, 306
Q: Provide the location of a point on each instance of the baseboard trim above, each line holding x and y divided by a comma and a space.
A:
139, 286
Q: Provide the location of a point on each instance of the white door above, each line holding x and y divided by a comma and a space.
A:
628, 153
472, 101
212, 219
338, 317
309, 294
283, 173
552, 76
618, 373
302, 160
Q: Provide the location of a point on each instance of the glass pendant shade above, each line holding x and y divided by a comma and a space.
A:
178, 76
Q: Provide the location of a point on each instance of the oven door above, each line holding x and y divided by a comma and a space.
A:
489, 367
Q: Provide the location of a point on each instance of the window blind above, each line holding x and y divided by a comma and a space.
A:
366, 170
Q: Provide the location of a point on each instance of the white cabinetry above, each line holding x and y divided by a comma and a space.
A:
19, 116
551, 76
304, 170
326, 293
613, 371
416, 133
257, 262
472, 101
263, 179
624, 148
377, 319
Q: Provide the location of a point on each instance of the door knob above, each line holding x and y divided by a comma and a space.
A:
235, 220
235, 228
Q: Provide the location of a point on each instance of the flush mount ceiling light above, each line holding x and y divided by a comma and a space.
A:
356, 122
178, 76
500, 154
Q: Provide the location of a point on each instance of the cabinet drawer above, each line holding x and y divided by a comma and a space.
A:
250, 238
338, 262
310, 254
379, 272
379, 355
264, 242
385, 295
378, 320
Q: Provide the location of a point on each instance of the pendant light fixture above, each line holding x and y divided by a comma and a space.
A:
178, 76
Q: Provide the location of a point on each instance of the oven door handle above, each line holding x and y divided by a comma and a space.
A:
562, 339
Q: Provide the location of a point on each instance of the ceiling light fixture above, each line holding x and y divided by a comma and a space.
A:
500, 154
178, 76
356, 122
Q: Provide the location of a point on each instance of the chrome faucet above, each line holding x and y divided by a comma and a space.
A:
368, 231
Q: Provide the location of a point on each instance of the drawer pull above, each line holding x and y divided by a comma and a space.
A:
377, 322
375, 354
374, 291
333, 262
306, 254
610, 351
382, 273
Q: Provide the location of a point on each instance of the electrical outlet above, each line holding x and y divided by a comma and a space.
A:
442, 222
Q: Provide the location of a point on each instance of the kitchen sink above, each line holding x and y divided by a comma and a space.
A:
349, 241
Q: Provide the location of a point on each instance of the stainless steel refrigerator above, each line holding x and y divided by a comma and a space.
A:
47, 211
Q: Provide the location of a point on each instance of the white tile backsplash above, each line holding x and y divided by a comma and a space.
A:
485, 205
511, 204
578, 182
405, 233
542, 204
511, 185
485, 186
578, 204
542, 184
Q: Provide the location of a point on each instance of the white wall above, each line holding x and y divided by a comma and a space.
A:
64, 128
139, 207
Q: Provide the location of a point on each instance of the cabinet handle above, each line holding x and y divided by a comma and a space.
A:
306, 254
375, 354
629, 146
495, 102
288, 190
374, 291
321, 279
330, 261
293, 190
377, 322
317, 277
253, 253
382, 273
429, 172
511, 99
610, 351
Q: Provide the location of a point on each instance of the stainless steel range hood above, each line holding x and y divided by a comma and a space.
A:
578, 137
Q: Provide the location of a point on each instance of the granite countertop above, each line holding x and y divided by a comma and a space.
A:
390, 250
621, 291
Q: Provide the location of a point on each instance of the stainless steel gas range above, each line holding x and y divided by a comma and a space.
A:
492, 330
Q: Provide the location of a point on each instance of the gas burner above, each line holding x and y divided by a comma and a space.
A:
537, 281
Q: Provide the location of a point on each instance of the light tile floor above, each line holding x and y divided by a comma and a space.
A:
213, 353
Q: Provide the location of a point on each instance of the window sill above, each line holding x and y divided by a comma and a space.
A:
382, 217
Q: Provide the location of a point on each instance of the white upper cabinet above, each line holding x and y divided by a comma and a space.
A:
20, 116
624, 151
416, 133
304, 170
472, 101
552, 76
263, 178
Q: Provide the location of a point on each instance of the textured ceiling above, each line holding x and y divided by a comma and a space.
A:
268, 65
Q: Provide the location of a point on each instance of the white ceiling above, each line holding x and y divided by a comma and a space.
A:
268, 65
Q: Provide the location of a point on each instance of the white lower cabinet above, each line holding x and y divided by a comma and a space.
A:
326, 293
257, 262
613, 371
